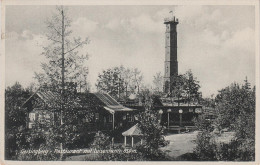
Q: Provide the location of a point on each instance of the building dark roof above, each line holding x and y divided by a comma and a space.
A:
89, 100
82, 100
101, 99
168, 101
107, 99
140, 102
50, 98
111, 104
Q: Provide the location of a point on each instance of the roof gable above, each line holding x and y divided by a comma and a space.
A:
133, 131
49, 98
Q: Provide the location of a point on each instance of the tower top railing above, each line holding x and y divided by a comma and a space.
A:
171, 19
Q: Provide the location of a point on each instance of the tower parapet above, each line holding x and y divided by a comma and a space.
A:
171, 20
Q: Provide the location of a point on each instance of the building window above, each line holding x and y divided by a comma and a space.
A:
96, 116
130, 117
31, 125
110, 118
32, 116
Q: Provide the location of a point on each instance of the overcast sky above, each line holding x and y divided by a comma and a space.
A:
216, 42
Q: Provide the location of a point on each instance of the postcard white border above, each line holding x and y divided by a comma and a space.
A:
5, 3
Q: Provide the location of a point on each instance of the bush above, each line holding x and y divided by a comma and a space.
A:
202, 123
101, 141
206, 147
236, 112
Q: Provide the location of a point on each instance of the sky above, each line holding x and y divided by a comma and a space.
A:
216, 42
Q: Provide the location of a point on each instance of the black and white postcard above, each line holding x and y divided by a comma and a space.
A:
131, 81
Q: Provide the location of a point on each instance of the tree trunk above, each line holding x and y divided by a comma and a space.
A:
63, 78
178, 101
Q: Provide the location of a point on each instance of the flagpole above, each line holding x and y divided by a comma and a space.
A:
171, 12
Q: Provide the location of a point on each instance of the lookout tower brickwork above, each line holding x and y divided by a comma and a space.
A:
171, 63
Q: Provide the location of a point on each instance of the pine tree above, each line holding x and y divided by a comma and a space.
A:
64, 73
65, 64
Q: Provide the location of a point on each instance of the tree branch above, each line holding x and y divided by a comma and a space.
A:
53, 27
54, 40
75, 47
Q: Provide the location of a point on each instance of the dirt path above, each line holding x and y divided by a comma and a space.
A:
181, 143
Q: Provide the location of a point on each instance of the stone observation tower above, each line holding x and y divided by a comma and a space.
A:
171, 63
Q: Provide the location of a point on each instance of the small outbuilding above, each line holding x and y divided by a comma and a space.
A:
135, 133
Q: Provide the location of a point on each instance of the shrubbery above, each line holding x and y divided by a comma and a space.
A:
235, 112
